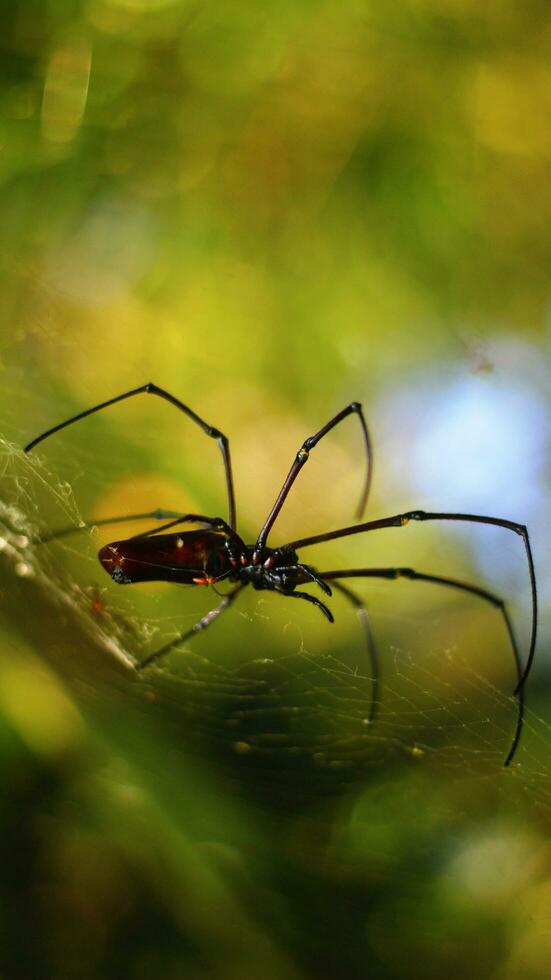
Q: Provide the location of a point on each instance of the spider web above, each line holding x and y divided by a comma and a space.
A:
269, 686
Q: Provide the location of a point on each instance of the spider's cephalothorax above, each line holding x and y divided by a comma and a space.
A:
279, 571
216, 552
268, 570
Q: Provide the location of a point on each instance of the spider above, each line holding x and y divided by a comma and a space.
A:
217, 552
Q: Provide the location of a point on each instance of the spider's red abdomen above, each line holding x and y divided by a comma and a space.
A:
186, 557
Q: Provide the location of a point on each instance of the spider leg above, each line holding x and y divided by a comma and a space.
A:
202, 624
400, 520
158, 515
361, 613
302, 457
309, 598
152, 515
214, 522
153, 389
494, 600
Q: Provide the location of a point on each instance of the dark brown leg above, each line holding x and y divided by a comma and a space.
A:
151, 515
158, 515
400, 520
301, 459
203, 623
216, 523
361, 613
410, 573
153, 389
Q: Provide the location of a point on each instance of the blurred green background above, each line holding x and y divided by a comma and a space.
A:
271, 212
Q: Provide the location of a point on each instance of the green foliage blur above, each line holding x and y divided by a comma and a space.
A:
270, 211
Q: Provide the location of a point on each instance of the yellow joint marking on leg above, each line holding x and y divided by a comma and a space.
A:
404, 520
303, 454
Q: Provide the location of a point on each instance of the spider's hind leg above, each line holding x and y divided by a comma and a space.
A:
201, 625
452, 583
152, 515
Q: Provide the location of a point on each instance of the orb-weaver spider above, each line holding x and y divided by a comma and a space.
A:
217, 551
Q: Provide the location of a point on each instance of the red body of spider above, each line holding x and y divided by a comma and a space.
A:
187, 557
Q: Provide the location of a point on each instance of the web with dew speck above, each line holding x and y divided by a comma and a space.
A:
298, 705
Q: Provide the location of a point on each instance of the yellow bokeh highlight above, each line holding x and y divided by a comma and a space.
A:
38, 706
511, 104
66, 90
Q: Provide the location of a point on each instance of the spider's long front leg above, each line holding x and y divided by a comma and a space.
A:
301, 459
202, 624
490, 597
153, 389
400, 520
